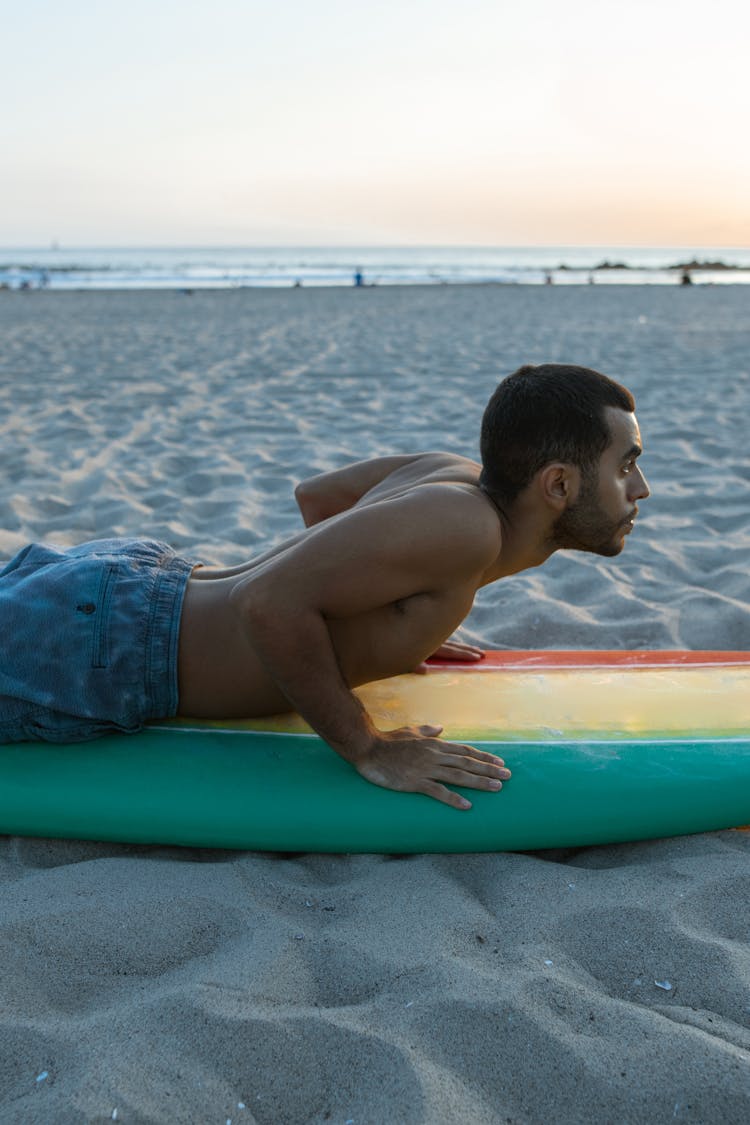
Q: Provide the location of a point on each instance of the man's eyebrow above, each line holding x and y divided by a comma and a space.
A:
634, 451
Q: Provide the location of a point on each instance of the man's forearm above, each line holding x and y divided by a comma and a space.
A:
299, 657
331, 493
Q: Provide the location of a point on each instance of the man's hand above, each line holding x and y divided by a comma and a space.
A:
453, 651
415, 760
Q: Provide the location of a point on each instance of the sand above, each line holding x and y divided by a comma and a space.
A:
607, 984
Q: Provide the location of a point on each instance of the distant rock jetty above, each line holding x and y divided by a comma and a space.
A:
696, 265
607, 265
693, 264
600, 266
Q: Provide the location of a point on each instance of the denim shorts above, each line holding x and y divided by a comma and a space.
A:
88, 638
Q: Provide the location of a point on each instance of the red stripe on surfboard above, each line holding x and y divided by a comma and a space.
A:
631, 658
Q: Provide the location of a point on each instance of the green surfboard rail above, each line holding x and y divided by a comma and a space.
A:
291, 793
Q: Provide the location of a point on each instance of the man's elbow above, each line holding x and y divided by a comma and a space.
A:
308, 503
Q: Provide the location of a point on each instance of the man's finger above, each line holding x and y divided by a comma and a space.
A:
468, 779
445, 796
459, 764
461, 751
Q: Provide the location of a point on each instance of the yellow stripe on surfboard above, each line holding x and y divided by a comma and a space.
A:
549, 704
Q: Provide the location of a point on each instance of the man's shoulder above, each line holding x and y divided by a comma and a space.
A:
453, 517
440, 459
459, 500
436, 466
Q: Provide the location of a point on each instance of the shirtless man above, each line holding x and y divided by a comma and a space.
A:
395, 551
392, 555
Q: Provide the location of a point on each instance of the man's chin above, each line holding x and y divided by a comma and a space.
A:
612, 549
607, 550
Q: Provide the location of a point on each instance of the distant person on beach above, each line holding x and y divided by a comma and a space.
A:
359, 279
112, 633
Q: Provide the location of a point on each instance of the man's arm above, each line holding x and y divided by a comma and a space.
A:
328, 494
370, 559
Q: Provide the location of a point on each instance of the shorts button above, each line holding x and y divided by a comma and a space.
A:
86, 607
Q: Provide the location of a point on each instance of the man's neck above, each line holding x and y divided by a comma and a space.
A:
525, 541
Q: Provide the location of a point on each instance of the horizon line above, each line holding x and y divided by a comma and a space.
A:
56, 245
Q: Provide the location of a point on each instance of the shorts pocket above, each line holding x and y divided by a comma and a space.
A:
102, 608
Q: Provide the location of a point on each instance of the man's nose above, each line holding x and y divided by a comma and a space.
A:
642, 490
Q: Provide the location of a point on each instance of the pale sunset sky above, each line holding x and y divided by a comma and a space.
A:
402, 122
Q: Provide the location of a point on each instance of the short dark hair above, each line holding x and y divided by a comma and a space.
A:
551, 412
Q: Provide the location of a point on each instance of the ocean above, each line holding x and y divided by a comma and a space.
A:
62, 267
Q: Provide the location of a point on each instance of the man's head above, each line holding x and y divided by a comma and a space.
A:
553, 412
552, 419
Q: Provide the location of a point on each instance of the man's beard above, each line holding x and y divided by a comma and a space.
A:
585, 526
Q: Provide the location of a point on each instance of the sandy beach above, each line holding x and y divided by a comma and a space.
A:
167, 985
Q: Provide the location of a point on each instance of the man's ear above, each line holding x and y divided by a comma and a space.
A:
559, 483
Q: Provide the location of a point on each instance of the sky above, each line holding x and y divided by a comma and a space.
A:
348, 122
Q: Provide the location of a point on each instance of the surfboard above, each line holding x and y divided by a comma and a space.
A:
604, 747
